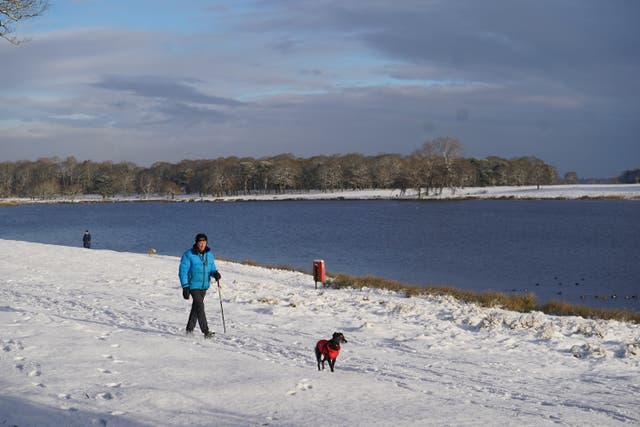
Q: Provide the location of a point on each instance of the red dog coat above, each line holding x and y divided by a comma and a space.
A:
327, 351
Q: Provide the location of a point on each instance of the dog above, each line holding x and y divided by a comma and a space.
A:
152, 251
329, 350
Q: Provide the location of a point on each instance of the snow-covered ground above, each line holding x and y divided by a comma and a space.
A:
95, 337
595, 191
622, 191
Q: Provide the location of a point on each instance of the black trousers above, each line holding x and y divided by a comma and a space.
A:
197, 311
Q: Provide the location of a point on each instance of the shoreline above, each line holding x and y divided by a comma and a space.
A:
517, 303
523, 302
557, 192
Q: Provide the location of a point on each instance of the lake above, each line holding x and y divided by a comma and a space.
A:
571, 250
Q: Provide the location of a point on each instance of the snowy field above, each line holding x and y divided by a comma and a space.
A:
595, 191
622, 191
95, 337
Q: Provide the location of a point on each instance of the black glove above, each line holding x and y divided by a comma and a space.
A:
185, 293
216, 275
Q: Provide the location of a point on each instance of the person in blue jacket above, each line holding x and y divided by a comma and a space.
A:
197, 266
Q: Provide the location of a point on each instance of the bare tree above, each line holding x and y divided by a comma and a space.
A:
247, 170
330, 174
124, 177
14, 11
7, 176
148, 183
355, 171
416, 173
215, 181
384, 170
286, 172
263, 172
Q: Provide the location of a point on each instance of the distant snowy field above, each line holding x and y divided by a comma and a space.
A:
596, 191
95, 337
623, 191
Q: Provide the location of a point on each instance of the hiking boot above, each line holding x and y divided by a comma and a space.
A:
209, 334
189, 331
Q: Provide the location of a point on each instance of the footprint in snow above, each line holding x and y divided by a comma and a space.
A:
112, 358
11, 345
303, 385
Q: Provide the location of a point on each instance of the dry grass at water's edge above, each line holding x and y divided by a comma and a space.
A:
561, 308
519, 303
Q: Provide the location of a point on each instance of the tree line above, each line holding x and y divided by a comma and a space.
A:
437, 165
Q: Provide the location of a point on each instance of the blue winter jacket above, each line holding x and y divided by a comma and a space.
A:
196, 268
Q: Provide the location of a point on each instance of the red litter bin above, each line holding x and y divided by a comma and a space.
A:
318, 271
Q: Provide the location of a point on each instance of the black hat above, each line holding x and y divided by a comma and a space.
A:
200, 237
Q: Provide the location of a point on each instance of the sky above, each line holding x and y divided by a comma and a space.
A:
148, 81
80, 349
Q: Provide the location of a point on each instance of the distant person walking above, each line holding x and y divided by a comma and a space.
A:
197, 266
86, 239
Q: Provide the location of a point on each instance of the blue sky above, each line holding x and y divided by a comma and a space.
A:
148, 81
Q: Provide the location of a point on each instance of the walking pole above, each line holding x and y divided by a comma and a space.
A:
224, 326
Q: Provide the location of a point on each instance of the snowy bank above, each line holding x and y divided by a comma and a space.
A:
619, 191
93, 337
561, 192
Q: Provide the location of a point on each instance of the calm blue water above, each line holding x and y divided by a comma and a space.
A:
568, 250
